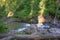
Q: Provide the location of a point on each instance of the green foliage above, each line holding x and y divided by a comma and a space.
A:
2, 27
35, 7
58, 15
25, 8
22, 8
2, 11
50, 7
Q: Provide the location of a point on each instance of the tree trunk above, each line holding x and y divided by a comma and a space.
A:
41, 12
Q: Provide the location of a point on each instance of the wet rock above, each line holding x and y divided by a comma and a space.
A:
54, 30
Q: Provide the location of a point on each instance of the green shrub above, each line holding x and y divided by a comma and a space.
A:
2, 27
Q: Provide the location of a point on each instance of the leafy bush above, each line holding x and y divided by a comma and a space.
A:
22, 8
2, 27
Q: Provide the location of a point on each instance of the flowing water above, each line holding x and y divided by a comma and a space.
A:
20, 27
15, 27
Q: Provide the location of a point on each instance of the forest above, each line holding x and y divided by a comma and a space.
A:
15, 14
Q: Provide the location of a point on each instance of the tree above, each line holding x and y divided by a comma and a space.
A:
26, 10
41, 11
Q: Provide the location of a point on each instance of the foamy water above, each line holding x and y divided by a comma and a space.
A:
38, 26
